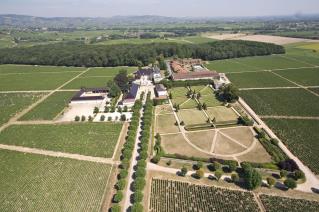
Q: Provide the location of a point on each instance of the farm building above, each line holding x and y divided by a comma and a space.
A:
90, 95
160, 91
196, 75
130, 97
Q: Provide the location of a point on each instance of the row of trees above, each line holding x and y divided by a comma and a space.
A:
140, 173
126, 156
75, 54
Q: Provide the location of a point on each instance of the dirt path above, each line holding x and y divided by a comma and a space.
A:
57, 154
25, 111
38, 91
259, 202
301, 86
311, 180
291, 117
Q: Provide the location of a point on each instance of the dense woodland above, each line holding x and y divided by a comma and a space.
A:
76, 54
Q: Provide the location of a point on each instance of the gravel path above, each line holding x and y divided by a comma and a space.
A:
57, 154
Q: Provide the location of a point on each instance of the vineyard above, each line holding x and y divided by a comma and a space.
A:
39, 183
176, 196
283, 204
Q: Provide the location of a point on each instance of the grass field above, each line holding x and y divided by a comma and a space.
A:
34, 81
286, 102
88, 82
11, 104
188, 104
166, 124
222, 114
28, 69
316, 90
202, 139
301, 137
305, 77
167, 195
50, 107
92, 139
312, 46
277, 203
109, 71
176, 144
210, 101
258, 80
39, 183
192, 116
179, 95
202, 89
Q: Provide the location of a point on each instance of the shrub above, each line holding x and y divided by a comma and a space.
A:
218, 174
199, 165
274, 141
182, 123
137, 207
156, 159
138, 196
271, 181
125, 163
106, 109
77, 118
90, 118
123, 117
83, 118
143, 155
140, 172
199, 173
109, 118
283, 173
120, 185
116, 208
289, 165
96, 110
183, 171
102, 118
139, 184
290, 183
299, 175
123, 174
235, 177
216, 166
169, 163
141, 163
118, 197
125, 109
232, 165
252, 178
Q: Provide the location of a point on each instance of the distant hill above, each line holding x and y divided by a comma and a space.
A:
66, 22
10, 20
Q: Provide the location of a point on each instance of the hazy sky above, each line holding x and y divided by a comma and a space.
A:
181, 8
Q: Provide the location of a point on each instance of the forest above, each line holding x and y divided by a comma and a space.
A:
78, 54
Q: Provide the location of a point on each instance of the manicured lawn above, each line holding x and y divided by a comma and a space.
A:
34, 81
13, 103
179, 95
188, 104
210, 101
222, 114
286, 102
28, 69
108, 71
40, 183
51, 107
92, 139
258, 80
88, 82
305, 77
166, 124
203, 90
301, 137
192, 116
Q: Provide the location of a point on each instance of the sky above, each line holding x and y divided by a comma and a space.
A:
173, 8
